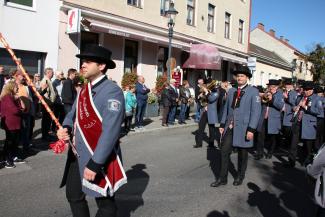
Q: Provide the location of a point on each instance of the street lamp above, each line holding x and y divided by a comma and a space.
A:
171, 14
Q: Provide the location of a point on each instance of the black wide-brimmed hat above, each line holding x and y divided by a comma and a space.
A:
98, 54
288, 81
308, 85
318, 89
274, 82
242, 70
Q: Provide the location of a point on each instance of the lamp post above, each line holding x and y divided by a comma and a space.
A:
293, 68
171, 14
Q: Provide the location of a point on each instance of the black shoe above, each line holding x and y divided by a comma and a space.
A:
258, 156
212, 147
197, 146
9, 165
180, 122
218, 183
238, 181
184, 122
164, 125
290, 164
18, 160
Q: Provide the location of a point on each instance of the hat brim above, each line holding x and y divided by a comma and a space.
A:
109, 63
243, 73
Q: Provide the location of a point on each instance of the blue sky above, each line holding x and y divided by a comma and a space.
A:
300, 21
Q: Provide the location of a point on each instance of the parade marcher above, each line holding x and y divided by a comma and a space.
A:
141, 92
11, 108
69, 92
270, 120
290, 97
307, 108
209, 115
320, 119
184, 98
97, 115
200, 82
238, 125
173, 97
48, 93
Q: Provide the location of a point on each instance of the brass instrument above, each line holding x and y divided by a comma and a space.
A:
203, 98
266, 97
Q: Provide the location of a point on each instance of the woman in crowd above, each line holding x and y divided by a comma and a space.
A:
11, 110
130, 105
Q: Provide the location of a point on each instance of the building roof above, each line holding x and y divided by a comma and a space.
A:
267, 55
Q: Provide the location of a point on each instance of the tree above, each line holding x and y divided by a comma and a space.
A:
317, 57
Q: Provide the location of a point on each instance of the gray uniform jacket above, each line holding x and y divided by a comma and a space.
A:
274, 118
244, 117
290, 102
103, 93
318, 164
309, 118
212, 108
322, 99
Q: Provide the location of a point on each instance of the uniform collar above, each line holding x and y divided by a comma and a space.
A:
97, 80
243, 87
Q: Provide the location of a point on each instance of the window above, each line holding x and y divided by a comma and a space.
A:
162, 59
300, 67
25, 4
190, 12
240, 31
136, 3
164, 6
130, 56
227, 25
211, 18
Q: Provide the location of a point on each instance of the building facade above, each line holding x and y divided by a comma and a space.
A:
31, 29
269, 41
137, 33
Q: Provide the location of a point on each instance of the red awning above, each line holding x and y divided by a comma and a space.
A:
203, 56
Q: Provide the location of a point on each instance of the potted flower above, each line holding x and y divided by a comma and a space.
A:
152, 106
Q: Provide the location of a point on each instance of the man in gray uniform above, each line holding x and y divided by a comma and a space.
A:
238, 125
309, 106
270, 120
105, 104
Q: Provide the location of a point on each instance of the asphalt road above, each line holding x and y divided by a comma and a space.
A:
167, 178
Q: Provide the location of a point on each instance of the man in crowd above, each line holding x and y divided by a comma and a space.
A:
200, 82
173, 96
99, 113
238, 125
69, 92
58, 105
141, 92
49, 95
270, 120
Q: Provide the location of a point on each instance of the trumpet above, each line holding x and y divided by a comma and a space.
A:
204, 99
266, 97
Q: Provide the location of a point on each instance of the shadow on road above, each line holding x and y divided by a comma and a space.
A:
129, 197
218, 214
296, 192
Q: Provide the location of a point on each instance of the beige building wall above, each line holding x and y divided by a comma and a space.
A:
149, 13
264, 72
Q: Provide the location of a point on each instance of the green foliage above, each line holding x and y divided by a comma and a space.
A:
152, 98
160, 81
129, 79
317, 57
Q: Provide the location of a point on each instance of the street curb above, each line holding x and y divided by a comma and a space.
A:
161, 128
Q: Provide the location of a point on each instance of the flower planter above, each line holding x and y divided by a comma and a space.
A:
152, 110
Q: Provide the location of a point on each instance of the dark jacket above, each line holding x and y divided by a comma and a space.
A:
184, 94
173, 95
2, 82
141, 92
165, 98
10, 113
197, 93
69, 92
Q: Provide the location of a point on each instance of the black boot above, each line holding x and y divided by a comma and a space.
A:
258, 156
238, 181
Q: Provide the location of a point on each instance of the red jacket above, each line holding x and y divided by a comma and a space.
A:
10, 113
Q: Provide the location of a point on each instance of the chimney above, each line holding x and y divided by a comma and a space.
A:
287, 41
281, 38
260, 26
272, 32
